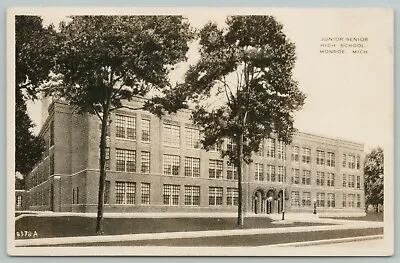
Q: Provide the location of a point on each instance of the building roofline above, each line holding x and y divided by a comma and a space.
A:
298, 132
336, 139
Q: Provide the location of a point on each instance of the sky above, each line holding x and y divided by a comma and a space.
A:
349, 96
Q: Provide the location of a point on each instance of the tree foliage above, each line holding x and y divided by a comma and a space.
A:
19, 183
250, 64
28, 146
104, 60
117, 57
34, 53
35, 49
374, 177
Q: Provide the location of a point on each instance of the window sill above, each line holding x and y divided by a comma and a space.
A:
125, 139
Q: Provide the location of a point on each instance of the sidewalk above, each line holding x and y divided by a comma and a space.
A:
299, 217
339, 225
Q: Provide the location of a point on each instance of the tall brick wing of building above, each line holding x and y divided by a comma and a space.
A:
159, 165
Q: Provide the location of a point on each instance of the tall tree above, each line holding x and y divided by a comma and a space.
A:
374, 178
242, 87
34, 52
28, 146
35, 49
107, 59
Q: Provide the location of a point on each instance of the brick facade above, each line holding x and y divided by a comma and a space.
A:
161, 168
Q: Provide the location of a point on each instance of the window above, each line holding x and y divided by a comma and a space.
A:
145, 130
51, 133
18, 201
306, 201
107, 159
295, 201
358, 200
352, 162
52, 164
330, 161
192, 167
192, 195
192, 138
358, 182
215, 195
125, 192
344, 160
320, 199
281, 150
260, 151
107, 193
171, 164
331, 180
126, 160
358, 162
344, 184
331, 200
215, 169
351, 181
351, 200
306, 178
295, 153
306, 157
295, 176
281, 174
125, 127
258, 172
145, 193
344, 200
145, 162
120, 157
232, 196
320, 180
172, 135
171, 194
230, 145
216, 147
271, 173
46, 149
320, 157
271, 148
231, 171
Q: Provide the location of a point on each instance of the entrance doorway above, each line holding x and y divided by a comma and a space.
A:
258, 202
270, 200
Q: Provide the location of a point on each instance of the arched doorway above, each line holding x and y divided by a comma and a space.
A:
257, 201
270, 199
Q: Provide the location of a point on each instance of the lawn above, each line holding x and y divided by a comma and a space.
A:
371, 216
240, 240
66, 226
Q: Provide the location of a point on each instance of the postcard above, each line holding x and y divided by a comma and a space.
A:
200, 131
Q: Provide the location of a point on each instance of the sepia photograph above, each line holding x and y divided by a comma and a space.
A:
200, 131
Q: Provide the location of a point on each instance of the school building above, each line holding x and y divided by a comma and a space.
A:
158, 165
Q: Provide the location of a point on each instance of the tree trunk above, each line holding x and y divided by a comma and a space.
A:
240, 219
102, 161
